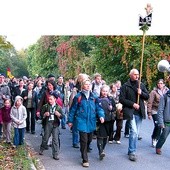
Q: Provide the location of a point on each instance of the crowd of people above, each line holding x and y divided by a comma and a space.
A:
90, 107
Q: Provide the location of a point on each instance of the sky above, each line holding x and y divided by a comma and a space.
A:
24, 21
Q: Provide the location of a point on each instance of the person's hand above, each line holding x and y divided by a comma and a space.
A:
136, 106
150, 117
57, 113
102, 120
38, 114
139, 91
25, 97
162, 126
47, 114
70, 125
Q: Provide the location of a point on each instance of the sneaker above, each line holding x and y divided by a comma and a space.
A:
56, 157
102, 155
158, 151
139, 138
118, 142
110, 141
154, 142
76, 146
85, 164
41, 152
132, 157
127, 136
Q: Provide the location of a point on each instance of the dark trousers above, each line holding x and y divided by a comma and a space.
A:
31, 112
157, 130
163, 137
127, 124
101, 143
0, 129
85, 140
119, 123
19, 136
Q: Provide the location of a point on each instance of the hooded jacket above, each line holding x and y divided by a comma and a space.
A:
164, 109
18, 115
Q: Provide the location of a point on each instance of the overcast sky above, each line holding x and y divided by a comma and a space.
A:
23, 21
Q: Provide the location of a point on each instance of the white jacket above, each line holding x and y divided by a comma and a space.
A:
18, 115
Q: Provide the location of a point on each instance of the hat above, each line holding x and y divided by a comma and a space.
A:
25, 77
50, 75
1, 74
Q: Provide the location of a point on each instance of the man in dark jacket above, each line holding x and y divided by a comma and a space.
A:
133, 111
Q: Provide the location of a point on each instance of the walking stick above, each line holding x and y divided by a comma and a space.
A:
144, 23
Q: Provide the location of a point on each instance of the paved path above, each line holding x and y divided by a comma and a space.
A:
116, 155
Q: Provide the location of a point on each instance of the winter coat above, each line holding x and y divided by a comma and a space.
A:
5, 113
154, 99
34, 99
85, 112
4, 90
128, 96
45, 119
164, 109
105, 103
18, 115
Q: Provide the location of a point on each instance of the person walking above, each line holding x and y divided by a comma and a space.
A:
85, 113
163, 120
18, 115
132, 110
105, 130
51, 114
152, 108
6, 120
30, 101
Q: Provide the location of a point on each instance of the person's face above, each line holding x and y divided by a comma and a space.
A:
160, 85
135, 75
50, 87
18, 102
87, 85
60, 80
7, 103
114, 89
21, 83
104, 92
98, 79
51, 100
30, 86
2, 79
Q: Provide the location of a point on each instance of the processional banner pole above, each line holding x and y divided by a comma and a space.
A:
144, 24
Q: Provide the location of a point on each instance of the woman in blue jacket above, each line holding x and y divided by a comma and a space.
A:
85, 108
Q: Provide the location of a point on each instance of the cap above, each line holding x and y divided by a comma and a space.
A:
1, 74
50, 75
60, 76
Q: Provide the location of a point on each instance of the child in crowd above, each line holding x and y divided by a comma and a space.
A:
105, 130
18, 115
51, 114
6, 120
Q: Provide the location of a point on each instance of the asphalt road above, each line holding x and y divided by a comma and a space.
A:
116, 154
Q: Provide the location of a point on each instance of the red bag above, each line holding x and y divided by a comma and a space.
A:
59, 102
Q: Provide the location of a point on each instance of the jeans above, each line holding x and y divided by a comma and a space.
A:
64, 119
19, 136
75, 133
135, 124
163, 137
157, 130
